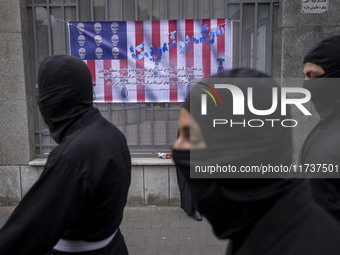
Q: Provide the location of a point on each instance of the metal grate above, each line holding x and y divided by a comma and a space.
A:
150, 127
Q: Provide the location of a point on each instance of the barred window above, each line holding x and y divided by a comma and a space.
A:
150, 127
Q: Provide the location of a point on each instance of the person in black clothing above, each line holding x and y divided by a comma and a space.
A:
272, 216
76, 206
322, 146
188, 202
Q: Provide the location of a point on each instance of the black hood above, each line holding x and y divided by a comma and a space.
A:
65, 92
325, 89
233, 205
326, 54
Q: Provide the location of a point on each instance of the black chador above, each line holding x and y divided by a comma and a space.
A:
271, 216
322, 146
76, 206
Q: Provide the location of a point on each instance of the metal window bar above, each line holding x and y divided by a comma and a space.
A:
77, 10
196, 9
241, 36
138, 148
255, 35
270, 38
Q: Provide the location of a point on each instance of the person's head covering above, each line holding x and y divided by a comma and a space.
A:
232, 205
225, 135
65, 92
325, 92
326, 54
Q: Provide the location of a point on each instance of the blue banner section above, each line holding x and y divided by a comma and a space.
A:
98, 40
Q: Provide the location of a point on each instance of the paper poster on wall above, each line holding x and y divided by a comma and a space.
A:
314, 6
151, 61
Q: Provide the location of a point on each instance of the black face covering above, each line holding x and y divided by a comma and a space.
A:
182, 160
325, 89
325, 95
327, 55
65, 92
233, 205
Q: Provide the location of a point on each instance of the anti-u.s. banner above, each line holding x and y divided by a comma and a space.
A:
151, 61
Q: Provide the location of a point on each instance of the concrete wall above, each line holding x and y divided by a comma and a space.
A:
16, 112
298, 32
153, 182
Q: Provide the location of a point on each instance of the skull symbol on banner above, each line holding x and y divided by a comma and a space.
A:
81, 40
115, 40
99, 53
81, 28
97, 27
98, 40
115, 52
82, 53
114, 27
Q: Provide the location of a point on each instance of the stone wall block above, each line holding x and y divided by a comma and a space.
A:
10, 16
136, 191
29, 175
173, 187
10, 190
156, 180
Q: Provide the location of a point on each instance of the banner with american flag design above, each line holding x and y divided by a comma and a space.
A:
153, 60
